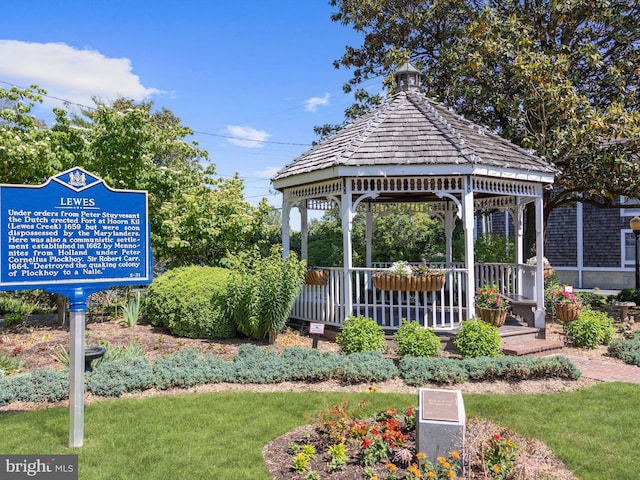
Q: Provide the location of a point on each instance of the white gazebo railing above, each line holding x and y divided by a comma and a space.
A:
441, 310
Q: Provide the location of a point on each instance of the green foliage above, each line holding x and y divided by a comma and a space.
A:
418, 371
491, 248
478, 339
9, 364
7, 395
127, 374
11, 319
590, 329
188, 368
593, 299
625, 349
338, 457
253, 364
629, 295
191, 302
414, 340
309, 365
360, 334
262, 293
40, 386
131, 310
368, 366
117, 352
11, 304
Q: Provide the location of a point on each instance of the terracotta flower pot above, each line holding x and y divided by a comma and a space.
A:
493, 316
409, 283
568, 312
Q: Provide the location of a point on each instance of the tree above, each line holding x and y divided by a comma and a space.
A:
558, 77
195, 217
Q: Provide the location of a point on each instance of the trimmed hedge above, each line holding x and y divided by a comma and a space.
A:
191, 302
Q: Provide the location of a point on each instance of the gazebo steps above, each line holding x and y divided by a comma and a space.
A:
531, 347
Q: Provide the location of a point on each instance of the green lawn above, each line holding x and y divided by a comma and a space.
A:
220, 435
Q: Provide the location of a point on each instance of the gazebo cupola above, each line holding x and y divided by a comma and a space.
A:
412, 150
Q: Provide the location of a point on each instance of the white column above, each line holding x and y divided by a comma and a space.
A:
369, 235
518, 225
346, 215
449, 224
286, 215
468, 218
304, 231
580, 241
539, 315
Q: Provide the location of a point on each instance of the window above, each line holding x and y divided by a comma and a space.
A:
628, 248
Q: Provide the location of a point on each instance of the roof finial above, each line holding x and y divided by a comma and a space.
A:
407, 77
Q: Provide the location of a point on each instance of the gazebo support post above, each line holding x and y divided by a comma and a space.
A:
346, 215
286, 216
468, 217
539, 296
304, 232
518, 215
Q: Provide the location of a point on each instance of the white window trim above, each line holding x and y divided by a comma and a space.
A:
623, 248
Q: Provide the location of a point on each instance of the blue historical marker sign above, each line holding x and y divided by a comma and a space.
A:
73, 231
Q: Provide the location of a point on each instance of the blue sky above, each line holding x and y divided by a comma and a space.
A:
254, 69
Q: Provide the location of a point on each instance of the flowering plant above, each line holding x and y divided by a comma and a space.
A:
534, 261
402, 267
445, 468
564, 296
499, 456
490, 297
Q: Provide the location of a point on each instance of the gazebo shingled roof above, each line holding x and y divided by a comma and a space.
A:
411, 129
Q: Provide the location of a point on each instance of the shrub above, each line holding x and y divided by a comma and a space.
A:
593, 299
478, 339
360, 334
414, 340
627, 350
11, 319
41, 386
262, 293
363, 367
7, 395
12, 305
629, 295
191, 302
309, 365
416, 371
253, 364
127, 374
188, 368
590, 329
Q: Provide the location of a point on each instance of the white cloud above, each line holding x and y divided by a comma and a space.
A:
247, 136
313, 103
268, 172
71, 74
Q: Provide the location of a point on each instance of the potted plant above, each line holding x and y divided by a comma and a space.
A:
491, 306
547, 268
567, 305
404, 277
316, 276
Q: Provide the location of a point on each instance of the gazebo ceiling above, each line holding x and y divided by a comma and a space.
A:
412, 135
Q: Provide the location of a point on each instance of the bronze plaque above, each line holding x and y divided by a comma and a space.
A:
440, 405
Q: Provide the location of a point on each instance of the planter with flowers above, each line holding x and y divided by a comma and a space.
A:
547, 268
567, 305
491, 306
403, 277
316, 276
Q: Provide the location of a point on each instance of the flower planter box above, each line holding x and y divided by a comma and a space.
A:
493, 316
568, 312
409, 283
316, 277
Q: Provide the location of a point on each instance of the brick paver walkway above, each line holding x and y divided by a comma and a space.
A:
605, 371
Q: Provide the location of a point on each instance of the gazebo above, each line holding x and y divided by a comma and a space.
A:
414, 151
